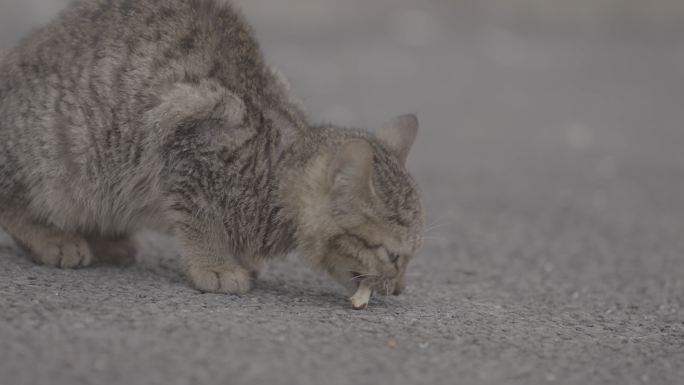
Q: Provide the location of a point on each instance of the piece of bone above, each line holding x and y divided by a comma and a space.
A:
360, 299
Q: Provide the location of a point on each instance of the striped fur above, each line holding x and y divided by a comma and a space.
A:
123, 115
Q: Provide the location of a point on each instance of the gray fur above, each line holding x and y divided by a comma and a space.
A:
122, 115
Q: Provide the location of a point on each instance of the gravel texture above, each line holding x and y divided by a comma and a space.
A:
553, 174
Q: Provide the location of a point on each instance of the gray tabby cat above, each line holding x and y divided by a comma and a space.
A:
123, 115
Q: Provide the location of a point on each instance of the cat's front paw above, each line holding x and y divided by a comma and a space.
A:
226, 278
61, 250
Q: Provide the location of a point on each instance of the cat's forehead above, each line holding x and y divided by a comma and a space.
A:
392, 182
397, 190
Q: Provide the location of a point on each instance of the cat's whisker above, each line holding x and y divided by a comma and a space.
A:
360, 275
439, 226
441, 239
438, 220
355, 271
363, 276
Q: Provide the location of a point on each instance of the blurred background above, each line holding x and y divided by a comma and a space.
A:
551, 161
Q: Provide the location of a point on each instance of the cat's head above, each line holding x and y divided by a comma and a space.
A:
365, 221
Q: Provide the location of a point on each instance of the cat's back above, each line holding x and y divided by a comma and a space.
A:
101, 65
74, 96
120, 43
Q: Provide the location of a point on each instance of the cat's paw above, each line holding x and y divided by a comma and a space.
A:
229, 279
61, 250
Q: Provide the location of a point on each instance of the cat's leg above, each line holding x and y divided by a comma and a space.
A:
114, 250
211, 266
47, 244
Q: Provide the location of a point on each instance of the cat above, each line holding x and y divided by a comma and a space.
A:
122, 115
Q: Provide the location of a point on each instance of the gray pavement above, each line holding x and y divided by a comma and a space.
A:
553, 174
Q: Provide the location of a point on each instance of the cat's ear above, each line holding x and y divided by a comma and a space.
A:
399, 134
351, 168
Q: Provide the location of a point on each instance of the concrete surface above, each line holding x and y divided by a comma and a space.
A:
553, 173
